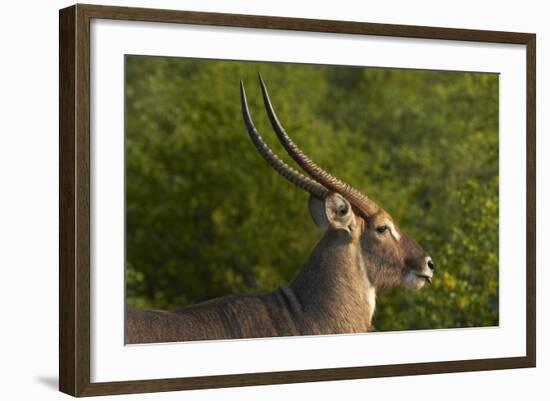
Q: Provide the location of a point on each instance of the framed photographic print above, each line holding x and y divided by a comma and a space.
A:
251, 200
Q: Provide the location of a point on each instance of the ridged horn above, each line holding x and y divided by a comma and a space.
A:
358, 199
300, 180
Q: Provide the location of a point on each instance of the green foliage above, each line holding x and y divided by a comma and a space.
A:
207, 217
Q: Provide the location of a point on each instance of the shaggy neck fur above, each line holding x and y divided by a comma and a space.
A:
333, 287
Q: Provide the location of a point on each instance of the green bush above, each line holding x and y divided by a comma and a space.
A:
206, 216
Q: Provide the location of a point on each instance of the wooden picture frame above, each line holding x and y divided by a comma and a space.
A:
74, 204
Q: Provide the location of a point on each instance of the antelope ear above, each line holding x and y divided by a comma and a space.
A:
317, 211
334, 211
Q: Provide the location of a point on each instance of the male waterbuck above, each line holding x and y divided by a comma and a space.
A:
361, 252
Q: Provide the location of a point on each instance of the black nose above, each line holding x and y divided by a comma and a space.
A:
431, 265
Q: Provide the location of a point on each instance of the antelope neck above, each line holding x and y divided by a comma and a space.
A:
333, 286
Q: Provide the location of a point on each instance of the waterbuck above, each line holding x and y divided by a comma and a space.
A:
361, 252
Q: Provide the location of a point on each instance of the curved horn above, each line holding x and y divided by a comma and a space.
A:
280, 166
356, 197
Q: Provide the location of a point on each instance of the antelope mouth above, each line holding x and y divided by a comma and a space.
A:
417, 279
425, 277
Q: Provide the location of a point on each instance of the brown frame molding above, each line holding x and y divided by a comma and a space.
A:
74, 199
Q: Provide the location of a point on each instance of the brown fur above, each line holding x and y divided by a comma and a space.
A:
332, 293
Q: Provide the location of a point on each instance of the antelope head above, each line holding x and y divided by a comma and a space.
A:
388, 255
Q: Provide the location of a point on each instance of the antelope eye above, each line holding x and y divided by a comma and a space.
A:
382, 229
